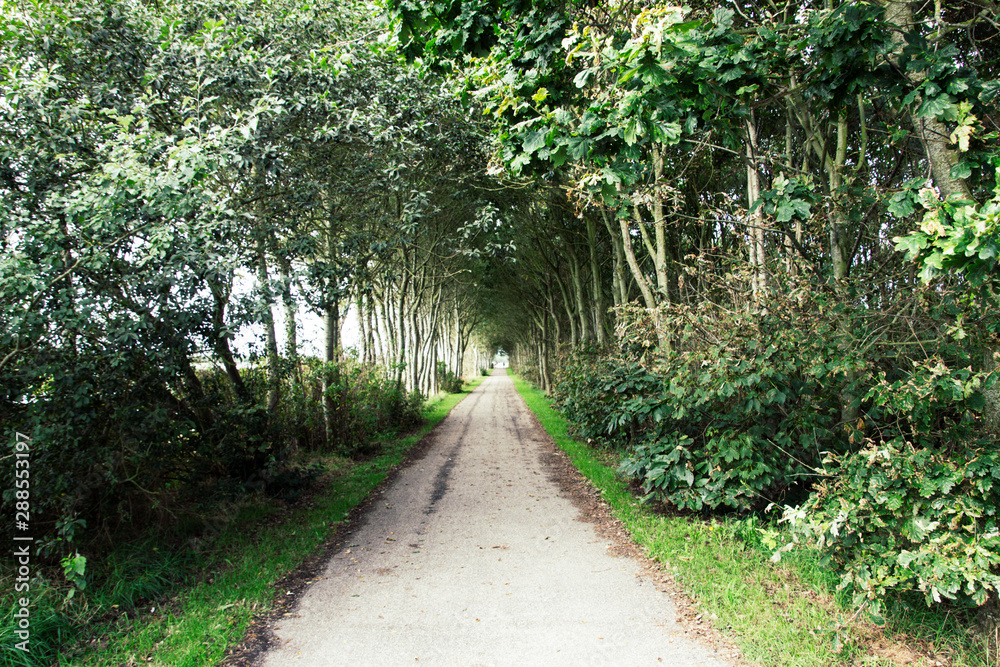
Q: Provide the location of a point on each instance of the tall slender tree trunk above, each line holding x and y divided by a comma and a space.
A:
758, 263
932, 133
838, 221
270, 335
331, 376
291, 326
359, 303
331, 348
568, 307
557, 335
597, 297
790, 266
459, 342
620, 291
659, 229
221, 291
583, 313
644, 286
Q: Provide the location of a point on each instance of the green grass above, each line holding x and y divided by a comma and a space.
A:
205, 606
783, 614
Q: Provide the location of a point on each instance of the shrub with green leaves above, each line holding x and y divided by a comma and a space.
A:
919, 511
448, 380
872, 420
735, 416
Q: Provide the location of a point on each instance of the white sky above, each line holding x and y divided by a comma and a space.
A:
310, 333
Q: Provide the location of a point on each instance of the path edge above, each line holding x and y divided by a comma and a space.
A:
259, 637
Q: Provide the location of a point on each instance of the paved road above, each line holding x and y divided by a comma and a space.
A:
474, 557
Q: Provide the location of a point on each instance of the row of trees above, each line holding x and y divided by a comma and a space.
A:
800, 200
804, 138
173, 174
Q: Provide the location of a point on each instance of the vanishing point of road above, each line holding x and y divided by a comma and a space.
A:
475, 556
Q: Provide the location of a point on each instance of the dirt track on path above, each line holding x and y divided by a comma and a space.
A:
477, 555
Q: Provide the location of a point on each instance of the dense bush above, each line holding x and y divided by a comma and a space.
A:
108, 440
115, 446
866, 425
367, 400
919, 511
447, 380
894, 517
736, 415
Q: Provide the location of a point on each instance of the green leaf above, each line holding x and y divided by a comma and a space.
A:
582, 78
520, 161
962, 170
666, 133
941, 107
627, 75
789, 209
578, 147
558, 156
912, 244
631, 132
901, 205
534, 140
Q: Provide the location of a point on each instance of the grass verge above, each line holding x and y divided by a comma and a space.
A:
229, 579
778, 614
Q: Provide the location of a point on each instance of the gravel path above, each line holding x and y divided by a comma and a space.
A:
474, 556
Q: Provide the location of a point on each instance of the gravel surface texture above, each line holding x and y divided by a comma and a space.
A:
481, 553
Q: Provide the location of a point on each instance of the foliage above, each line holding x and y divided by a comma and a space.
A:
109, 464
152, 156
742, 411
750, 131
74, 569
957, 236
447, 379
895, 517
158, 595
746, 412
370, 402
778, 613
735, 415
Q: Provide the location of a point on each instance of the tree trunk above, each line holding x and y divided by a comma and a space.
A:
568, 306
932, 133
557, 335
221, 292
331, 374
659, 227
758, 264
331, 347
359, 303
575, 272
633, 264
838, 252
643, 283
620, 291
596, 288
291, 326
271, 338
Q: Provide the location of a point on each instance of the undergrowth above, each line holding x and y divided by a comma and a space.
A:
181, 597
